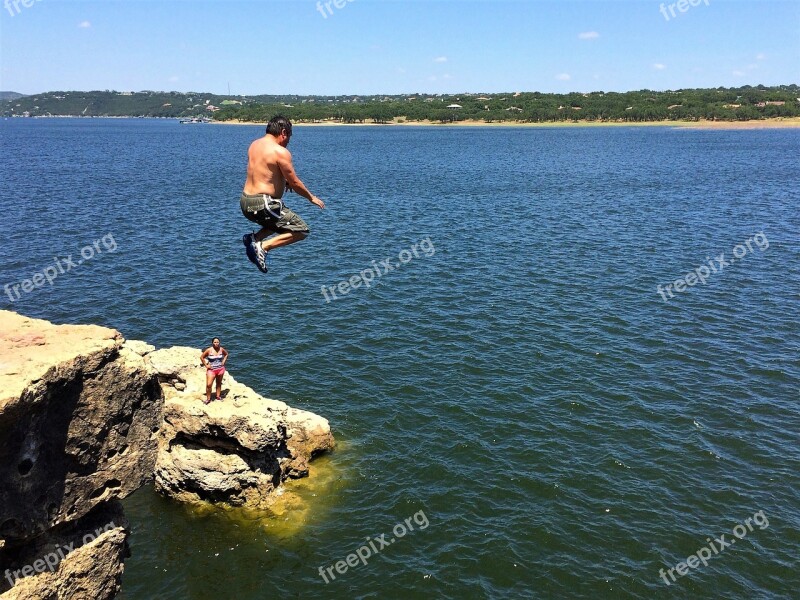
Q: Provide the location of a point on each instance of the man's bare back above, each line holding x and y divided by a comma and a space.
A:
264, 174
270, 169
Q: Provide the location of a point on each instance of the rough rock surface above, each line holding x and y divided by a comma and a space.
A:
236, 451
82, 560
79, 415
87, 418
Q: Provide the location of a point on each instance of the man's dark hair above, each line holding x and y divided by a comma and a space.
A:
278, 124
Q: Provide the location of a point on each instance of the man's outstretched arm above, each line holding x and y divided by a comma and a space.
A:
293, 181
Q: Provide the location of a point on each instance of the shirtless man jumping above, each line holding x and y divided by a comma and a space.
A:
269, 173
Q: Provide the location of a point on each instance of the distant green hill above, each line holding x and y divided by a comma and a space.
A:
9, 96
727, 104
111, 104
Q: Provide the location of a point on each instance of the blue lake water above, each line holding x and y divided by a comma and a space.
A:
563, 430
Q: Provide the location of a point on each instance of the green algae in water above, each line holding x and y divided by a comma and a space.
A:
297, 502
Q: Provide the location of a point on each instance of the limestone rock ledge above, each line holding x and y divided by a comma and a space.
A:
82, 560
87, 418
79, 421
236, 451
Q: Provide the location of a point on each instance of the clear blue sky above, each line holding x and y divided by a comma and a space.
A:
393, 47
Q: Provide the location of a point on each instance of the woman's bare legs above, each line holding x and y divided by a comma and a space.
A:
209, 381
219, 385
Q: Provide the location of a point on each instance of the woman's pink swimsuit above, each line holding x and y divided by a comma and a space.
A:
216, 364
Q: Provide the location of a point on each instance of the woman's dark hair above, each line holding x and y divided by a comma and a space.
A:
279, 123
215, 338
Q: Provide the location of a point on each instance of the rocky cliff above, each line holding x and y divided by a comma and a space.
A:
87, 418
237, 451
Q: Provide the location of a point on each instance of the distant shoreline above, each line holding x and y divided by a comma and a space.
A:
773, 123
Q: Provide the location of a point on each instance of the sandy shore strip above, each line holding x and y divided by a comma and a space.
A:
775, 123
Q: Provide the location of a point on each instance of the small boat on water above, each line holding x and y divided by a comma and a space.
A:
194, 120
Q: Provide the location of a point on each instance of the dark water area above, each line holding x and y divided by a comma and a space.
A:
516, 378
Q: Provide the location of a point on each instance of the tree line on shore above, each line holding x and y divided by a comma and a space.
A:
740, 104
725, 104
